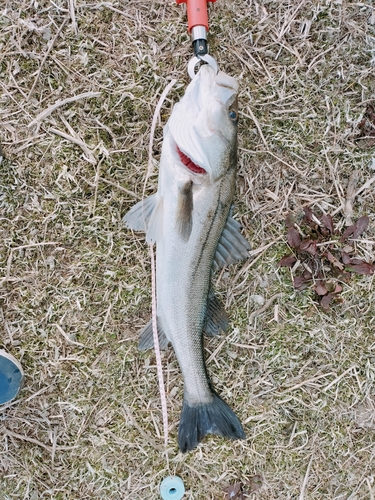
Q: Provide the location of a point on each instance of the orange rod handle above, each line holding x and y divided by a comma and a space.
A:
196, 13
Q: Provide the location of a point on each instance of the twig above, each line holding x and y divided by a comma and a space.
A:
306, 382
366, 185
7, 432
262, 151
350, 196
121, 188
304, 484
45, 59
259, 311
39, 118
30, 245
339, 378
253, 117
73, 15
66, 337
144, 434
261, 251
75, 140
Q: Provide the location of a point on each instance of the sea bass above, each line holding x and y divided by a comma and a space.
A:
189, 220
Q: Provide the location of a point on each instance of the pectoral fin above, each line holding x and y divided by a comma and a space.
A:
138, 217
146, 337
216, 317
184, 218
155, 226
232, 246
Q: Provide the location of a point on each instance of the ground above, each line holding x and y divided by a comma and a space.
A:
75, 284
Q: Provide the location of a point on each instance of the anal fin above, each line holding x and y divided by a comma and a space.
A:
146, 337
216, 318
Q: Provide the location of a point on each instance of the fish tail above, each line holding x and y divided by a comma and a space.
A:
207, 418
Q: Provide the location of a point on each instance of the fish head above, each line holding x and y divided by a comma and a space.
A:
204, 124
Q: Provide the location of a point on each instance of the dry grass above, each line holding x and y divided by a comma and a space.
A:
75, 285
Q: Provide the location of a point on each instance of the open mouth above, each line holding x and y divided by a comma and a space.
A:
193, 167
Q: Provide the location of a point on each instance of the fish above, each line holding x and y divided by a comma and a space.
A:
189, 219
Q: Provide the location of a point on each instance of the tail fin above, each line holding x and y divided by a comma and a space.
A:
208, 418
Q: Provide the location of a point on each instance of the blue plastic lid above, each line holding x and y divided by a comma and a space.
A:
11, 377
172, 488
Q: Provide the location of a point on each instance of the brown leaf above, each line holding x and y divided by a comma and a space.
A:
308, 214
293, 237
300, 283
338, 289
363, 268
255, 483
348, 249
328, 223
308, 246
287, 261
348, 232
360, 226
307, 275
345, 258
326, 301
356, 261
320, 288
333, 260
289, 220
234, 492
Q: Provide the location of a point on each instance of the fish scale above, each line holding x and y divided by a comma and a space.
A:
189, 220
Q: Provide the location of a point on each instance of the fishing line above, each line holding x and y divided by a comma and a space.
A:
153, 278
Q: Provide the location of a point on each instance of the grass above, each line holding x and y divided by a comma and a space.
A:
75, 285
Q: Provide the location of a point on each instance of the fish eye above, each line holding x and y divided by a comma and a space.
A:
233, 115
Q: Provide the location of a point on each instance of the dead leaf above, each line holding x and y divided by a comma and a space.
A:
326, 301
307, 275
308, 214
333, 260
320, 288
328, 223
362, 268
300, 283
289, 220
348, 232
287, 261
308, 246
255, 483
293, 237
345, 258
234, 492
348, 249
360, 226
338, 289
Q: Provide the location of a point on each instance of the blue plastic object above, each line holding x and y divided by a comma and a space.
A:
11, 377
172, 488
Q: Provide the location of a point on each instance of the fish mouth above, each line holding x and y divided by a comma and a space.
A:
193, 167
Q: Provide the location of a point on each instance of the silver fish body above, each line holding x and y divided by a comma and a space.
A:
189, 220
